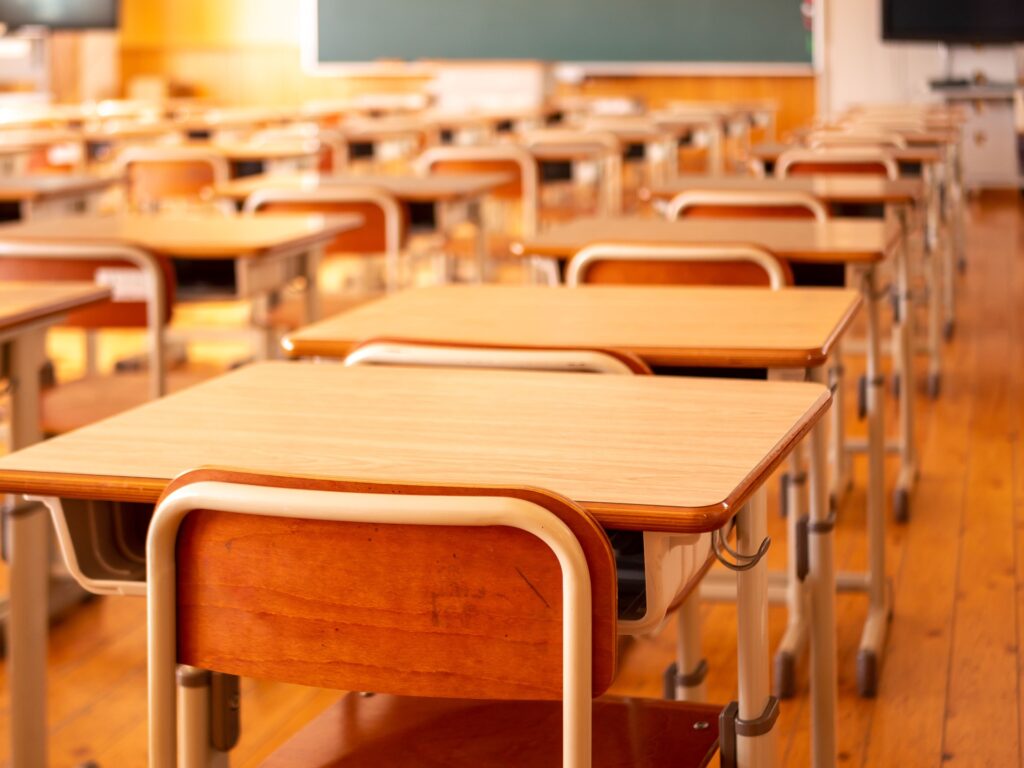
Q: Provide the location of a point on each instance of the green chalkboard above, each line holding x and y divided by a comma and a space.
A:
562, 30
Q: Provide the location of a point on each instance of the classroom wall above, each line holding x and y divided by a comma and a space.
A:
198, 43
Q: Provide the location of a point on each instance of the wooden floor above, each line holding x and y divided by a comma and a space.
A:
950, 687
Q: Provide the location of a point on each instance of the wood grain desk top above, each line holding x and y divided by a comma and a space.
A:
834, 241
769, 153
664, 325
831, 188
188, 236
644, 452
410, 189
28, 302
29, 188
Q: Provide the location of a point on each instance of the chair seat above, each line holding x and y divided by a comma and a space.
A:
384, 730
81, 402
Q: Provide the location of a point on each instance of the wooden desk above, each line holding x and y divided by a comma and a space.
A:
835, 241
682, 455
828, 188
53, 194
666, 326
27, 310
406, 188
268, 251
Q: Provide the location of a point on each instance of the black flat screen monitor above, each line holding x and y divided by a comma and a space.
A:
60, 14
954, 21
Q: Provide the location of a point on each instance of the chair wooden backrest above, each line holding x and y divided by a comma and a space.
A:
391, 351
649, 264
411, 589
733, 204
142, 285
870, 161
522, 187
156, 173
384, 227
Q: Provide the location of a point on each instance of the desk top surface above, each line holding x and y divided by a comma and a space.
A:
642, 452
664, 325
28, 302
188, 236
438, 187
834, 241
850, 188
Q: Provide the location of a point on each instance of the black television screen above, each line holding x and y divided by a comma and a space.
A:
60, 14
954, 21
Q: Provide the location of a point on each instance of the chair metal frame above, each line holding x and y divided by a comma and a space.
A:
147, 263
219, 165
388, 204
768, 198
838, 156
387, 508
608, 155
529, 176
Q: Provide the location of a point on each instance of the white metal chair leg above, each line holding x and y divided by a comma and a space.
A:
690, 664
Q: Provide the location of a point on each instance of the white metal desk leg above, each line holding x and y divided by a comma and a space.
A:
755, 700
822, 590
872, 642
904, 342
795, 637
29, 559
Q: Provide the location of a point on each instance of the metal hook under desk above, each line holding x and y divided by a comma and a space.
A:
743, 562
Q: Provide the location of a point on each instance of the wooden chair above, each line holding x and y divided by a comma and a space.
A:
870, 161
337, 584
730, 204
143, 297
855, 136
658, 573
158, 175
647, 264
600, 147
522, 191
522, 187
384, 229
